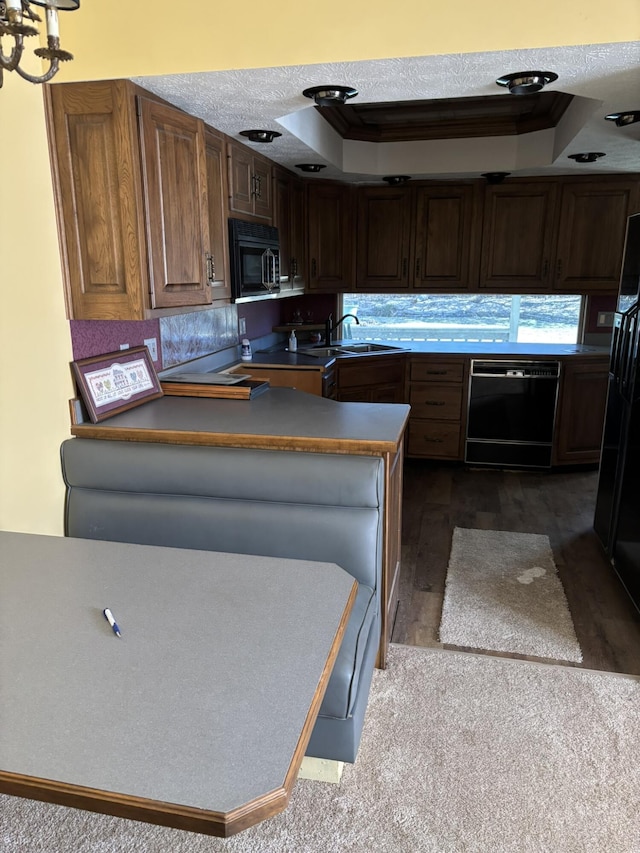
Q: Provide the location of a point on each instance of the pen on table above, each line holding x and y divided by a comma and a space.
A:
108, 615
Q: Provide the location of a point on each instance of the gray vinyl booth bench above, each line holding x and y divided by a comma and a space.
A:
301, 505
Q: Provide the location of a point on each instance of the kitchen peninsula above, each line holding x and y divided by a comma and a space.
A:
282, 419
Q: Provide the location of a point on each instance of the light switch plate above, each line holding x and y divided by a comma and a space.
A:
152, 346
605, 318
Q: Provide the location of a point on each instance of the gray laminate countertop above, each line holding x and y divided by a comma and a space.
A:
278, 419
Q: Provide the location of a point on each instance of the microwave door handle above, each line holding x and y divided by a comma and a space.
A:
263, 264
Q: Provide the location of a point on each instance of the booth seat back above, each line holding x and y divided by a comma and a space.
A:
276, 503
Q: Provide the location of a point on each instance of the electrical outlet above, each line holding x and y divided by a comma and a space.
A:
605, 318
242, 326
124, 346
152, 346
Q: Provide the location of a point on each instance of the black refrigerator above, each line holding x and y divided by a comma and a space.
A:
617, 513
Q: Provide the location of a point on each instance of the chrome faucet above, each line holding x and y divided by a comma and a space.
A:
329, 329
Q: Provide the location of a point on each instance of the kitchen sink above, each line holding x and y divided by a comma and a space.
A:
355, 348
321, 351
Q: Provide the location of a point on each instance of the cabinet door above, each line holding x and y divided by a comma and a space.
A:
518, 236
593, 218
331, 242
262, 178
217, 207
298, 234
383, 237
250, 193
288, 217
175, 188
240, 179
446, 237
580, 419
96, 171
379, 379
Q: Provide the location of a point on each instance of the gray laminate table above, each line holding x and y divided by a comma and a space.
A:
198, 716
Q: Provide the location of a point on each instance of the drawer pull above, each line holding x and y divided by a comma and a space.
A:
436, 372
434, 440
434, 402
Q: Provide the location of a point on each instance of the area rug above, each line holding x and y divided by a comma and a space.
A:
461, 752
503, 594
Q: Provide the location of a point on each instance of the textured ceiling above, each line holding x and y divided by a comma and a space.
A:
604, 78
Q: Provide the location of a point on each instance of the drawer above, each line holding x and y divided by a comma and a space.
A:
436, 402
437, 371
428, 438
374, 372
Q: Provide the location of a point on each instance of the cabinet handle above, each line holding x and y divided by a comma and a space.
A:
293, 272
257, 186
417, 267
314, 268
405, 267
211, 268
434, 402
436, 372
545, 268
559, 269
434, 440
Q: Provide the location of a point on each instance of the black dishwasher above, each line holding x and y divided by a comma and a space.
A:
512, 410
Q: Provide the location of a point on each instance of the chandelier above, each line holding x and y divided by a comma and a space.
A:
17, 19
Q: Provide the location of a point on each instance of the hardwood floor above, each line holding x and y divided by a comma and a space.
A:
438, 498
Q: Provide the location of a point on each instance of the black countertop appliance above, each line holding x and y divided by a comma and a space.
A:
617, 513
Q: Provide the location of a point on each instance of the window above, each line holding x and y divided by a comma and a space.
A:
468, 317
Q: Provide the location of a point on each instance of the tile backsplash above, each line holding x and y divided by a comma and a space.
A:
180, 337
188, 336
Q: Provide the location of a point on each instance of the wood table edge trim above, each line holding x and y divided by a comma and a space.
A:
176, 816
352, 446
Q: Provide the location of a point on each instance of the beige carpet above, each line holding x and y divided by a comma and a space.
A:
461, 752
503, 594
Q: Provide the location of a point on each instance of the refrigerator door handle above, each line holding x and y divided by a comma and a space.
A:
628, 347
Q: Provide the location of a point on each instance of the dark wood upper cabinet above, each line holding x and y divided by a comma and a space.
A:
288, 217
593, 217
130, 176
216, 163
518, 236
175, 188
331, 236
446, 237
384, 237
250, 177
96, 171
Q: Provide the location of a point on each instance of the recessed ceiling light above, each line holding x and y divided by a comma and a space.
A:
495, 177
624, 118
310, 167
260, 135
396, 180
526, 82
587, 156
330, 96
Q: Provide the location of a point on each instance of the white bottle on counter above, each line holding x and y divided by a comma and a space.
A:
246, 350
293, 341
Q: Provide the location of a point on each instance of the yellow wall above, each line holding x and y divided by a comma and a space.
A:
168, 37
123, 38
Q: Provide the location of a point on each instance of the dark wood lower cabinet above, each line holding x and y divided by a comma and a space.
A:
581, 409
374, 379
437, 395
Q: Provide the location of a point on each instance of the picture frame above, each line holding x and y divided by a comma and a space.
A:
116, 381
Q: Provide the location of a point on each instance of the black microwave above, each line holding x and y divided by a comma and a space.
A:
255, 259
